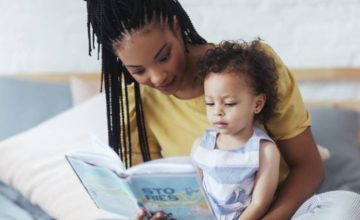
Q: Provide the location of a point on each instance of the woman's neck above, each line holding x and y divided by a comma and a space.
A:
190, 87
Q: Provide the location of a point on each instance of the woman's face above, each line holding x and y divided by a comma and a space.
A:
155, 56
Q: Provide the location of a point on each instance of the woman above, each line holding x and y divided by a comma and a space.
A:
151, 50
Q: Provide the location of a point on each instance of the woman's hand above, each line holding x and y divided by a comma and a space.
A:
141, 214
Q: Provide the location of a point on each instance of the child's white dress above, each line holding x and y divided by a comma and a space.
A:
229, 175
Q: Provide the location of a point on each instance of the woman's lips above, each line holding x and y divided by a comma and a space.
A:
166, 86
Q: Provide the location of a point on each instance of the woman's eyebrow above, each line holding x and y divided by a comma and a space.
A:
161, 49
155, 57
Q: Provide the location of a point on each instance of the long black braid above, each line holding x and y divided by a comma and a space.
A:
109, 21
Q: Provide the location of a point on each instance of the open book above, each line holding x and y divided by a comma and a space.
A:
170, 185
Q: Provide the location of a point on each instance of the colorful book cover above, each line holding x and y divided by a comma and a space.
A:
178, 194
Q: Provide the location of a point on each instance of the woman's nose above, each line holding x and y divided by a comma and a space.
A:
158, 77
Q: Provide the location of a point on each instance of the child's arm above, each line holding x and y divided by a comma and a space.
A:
265, 183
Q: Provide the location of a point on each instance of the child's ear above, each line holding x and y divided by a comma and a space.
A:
259, 102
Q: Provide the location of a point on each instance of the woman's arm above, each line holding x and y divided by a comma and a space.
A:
306, 174
266, 182
290, 127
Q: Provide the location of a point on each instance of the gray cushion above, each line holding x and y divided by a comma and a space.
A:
25, 104
337, 130
15, 206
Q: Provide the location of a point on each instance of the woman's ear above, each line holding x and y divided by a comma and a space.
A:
259, 103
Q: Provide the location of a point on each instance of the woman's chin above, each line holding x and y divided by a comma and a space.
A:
165, 91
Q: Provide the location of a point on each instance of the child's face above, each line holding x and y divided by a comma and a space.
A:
230, 102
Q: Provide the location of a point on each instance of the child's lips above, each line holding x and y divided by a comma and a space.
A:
220, 124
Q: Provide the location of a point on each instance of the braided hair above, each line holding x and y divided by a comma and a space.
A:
109, 21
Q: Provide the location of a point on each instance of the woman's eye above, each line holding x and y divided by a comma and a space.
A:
137, 72
165, 57
209, 103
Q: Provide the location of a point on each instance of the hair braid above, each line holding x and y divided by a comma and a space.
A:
110, 21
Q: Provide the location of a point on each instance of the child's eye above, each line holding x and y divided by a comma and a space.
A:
209, 103
230, 104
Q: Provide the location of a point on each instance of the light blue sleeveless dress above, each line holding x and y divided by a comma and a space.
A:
228, 175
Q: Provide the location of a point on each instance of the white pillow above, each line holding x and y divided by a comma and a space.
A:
83, 89
33, 162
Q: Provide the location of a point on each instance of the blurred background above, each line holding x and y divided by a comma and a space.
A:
47, 36
50, 101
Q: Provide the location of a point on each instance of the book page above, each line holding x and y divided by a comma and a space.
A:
107, 189
163, 165
101, 155
100, 160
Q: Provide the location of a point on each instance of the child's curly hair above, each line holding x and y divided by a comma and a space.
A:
249, 59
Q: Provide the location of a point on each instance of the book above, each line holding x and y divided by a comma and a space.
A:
168, 184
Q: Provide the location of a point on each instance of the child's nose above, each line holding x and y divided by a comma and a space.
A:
219, 110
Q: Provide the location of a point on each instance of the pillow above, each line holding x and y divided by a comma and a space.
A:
337, 129
82, 89
25, 104
33, 162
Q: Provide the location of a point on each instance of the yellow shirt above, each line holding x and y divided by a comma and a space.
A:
173, 124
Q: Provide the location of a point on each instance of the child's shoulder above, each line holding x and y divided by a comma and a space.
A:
267, 144
262, 135
268, 149
208, 136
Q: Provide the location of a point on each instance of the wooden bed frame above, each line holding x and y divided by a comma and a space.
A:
317, 75
331, 75
300, 74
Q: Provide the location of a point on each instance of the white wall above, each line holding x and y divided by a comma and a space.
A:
44, 36
306, 33
51, 36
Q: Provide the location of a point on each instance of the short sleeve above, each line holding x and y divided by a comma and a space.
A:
154, 149
290, 117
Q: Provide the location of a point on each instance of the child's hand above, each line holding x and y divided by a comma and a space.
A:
141, 214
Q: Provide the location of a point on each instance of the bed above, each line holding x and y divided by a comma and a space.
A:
45, 116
